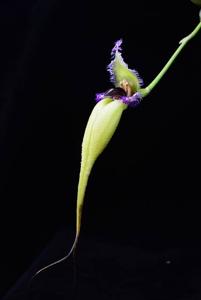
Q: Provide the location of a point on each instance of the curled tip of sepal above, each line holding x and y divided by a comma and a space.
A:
116, 48
119, 70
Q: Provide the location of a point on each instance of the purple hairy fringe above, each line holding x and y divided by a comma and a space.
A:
99, 96
132, 101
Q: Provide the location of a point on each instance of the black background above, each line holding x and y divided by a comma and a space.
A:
145, 188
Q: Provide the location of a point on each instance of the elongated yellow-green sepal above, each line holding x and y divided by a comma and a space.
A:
100, 128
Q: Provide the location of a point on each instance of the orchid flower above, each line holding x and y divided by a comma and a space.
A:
127, 82
104, 120
106, 116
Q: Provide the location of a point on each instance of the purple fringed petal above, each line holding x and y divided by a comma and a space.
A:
99, 96
132, 101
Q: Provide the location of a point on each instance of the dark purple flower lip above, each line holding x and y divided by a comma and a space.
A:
120, 94
115, 93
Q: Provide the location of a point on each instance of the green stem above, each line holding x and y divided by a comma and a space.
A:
144, 92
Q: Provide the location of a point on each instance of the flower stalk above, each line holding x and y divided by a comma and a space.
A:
145, 91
